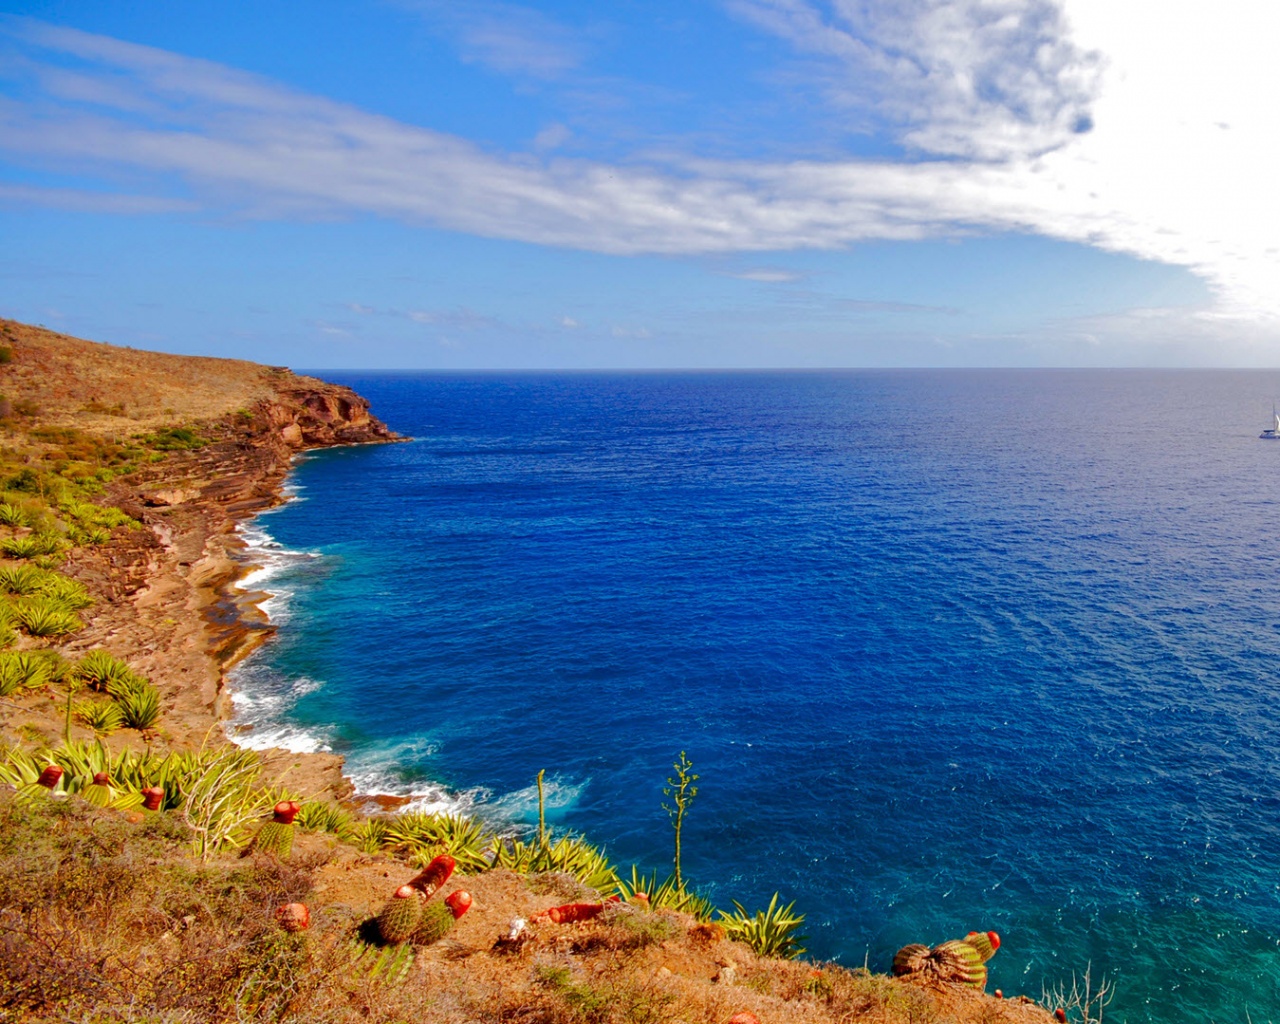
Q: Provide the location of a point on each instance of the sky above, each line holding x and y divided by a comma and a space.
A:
425, 184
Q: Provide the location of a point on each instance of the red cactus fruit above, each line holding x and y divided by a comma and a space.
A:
571, 912
153, 797
999, 994
285, 811
995, 940
458, 903
1061, 1015
745, 1017
640, 899
50, 776
294, 917
102, 779
434, 875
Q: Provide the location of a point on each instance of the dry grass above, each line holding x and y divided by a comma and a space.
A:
105, 918
109, 390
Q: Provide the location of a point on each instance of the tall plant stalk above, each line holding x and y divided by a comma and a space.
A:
542, 811
681, 789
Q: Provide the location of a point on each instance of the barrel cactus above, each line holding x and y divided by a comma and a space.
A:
276, 836
399, 919
439, 918
953, 961
986, 943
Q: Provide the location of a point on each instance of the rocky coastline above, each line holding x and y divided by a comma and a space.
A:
167, 599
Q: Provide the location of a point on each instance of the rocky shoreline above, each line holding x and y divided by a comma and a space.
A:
167, 599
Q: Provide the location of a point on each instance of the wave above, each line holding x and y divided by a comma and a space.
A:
263, 699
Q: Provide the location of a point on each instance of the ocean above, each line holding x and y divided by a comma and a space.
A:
950, 650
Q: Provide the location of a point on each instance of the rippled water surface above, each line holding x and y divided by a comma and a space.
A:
950, 650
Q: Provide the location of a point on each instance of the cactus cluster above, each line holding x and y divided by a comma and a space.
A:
961, 961
276, 836
409, 915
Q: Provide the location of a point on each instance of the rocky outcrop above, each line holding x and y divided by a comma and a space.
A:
316, 414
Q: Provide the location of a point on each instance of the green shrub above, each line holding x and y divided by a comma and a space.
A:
174, 439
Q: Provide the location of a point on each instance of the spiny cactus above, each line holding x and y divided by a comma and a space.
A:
439, 918
433, 875
400, 917
954, 961
276, 836
986, 943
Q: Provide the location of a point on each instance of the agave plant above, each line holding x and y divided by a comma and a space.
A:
22, 670
139, 705
316, 816
570, 853
19, 547
22, 579
69, 593
665, 894
102, 716
371, 836
41, 616
424, 836
102, 671
14, 515
47, 543
770, 932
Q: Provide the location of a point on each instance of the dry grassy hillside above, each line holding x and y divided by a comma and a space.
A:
95, 386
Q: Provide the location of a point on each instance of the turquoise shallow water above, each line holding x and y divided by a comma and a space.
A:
950, 650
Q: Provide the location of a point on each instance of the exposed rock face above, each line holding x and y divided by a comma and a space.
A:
321, 414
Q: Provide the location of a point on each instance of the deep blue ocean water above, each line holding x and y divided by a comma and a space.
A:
950, 650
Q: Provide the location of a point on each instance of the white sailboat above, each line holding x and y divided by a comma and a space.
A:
1272, 433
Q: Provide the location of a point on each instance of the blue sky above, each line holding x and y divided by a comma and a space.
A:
422, 184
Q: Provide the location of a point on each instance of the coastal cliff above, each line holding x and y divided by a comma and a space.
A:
134, 469
168, 603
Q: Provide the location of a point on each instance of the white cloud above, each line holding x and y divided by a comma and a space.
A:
1158, 176
767, 275
569, 323
986, 79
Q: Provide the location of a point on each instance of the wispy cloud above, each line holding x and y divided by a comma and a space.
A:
1156, 178
505, 37
767, 275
